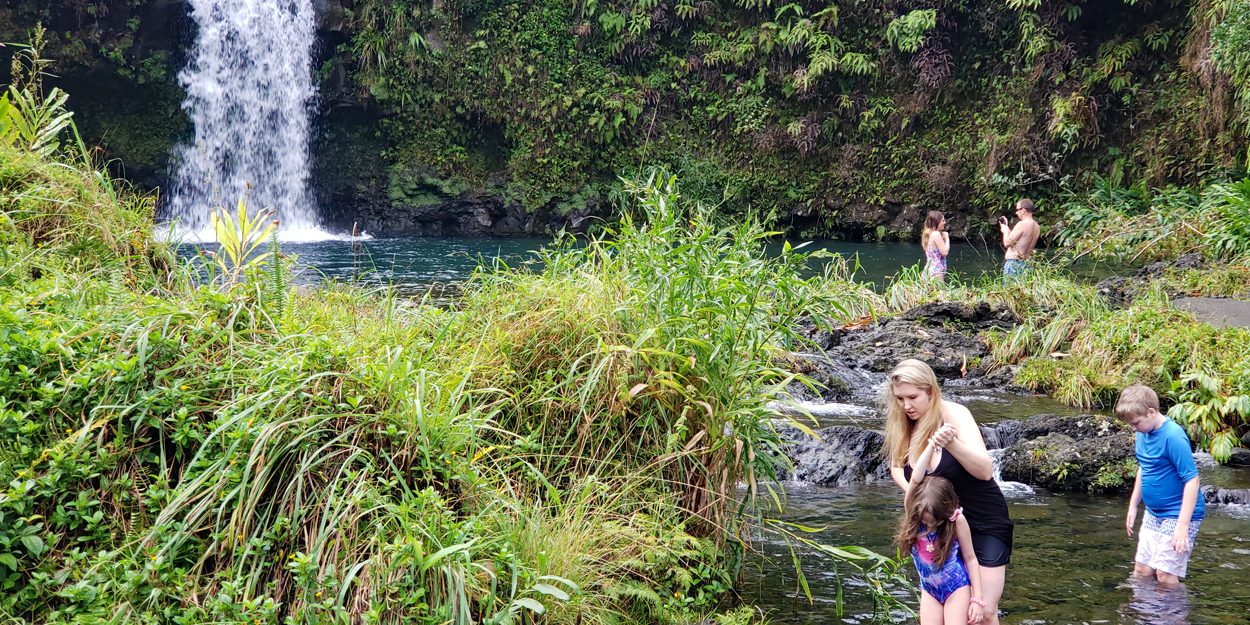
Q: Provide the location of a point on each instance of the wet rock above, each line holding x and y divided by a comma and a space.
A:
837, 381
878, 348
1001, 435
1193, 260
1239, 458
843, 455
1081, 426
1084, 453
973, 316
1119, 291
1226, 496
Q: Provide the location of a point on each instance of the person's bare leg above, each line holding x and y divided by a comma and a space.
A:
1142, 570
1167, 580
930, 610
992, 580
955, 610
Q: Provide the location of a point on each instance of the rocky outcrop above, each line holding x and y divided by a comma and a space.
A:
1085, 453
942, 334
1226, 496
843, 455
1119, 291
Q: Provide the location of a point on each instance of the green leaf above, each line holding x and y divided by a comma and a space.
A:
531, 604
551, 591
8, 560
33, 544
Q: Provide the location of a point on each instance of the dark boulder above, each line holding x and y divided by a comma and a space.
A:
1239, 458
1084, 453
1226, 496
1001, 435
843, 455
878, 348
979, 315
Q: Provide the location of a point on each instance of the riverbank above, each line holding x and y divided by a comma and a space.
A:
1076, 341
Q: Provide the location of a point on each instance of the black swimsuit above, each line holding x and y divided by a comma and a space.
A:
984, 507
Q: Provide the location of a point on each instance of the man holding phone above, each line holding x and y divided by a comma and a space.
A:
1019, 240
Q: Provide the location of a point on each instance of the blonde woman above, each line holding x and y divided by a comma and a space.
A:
936, 242
916, 418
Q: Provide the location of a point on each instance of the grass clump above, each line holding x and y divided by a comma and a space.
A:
1140, 224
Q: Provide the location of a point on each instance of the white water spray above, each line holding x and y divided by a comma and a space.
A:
250, 93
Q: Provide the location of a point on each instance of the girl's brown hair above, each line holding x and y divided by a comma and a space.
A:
936, 496
931, 223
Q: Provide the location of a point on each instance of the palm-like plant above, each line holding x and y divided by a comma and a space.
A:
239, 237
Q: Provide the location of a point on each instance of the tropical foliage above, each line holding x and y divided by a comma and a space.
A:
824, 112
1140, 224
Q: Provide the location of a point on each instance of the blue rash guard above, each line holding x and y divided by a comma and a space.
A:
1166, 465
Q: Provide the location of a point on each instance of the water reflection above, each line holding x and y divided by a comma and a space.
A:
1155, 603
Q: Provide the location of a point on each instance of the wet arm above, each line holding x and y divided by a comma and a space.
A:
921, 467
1189, 500
896, 473
1131, 518
964, 533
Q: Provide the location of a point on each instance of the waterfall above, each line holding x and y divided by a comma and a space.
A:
250, 93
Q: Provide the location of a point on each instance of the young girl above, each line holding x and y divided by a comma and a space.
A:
934, 530
936, 243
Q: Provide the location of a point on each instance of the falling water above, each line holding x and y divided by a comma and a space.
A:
250, 92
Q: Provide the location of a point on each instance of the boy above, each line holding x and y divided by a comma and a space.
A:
1167, 481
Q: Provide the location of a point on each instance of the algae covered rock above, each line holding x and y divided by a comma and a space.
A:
1083, 453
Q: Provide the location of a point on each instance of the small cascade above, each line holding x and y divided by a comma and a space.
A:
1010, 489
250, 90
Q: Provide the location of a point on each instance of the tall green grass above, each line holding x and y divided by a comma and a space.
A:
563, 445
1139, 224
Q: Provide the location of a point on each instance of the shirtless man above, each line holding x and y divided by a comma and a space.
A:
1019, 240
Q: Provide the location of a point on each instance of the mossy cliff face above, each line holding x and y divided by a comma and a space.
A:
847, 119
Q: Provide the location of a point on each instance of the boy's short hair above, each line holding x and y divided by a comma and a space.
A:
1136, 400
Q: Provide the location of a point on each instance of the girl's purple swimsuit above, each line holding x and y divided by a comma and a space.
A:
938, 579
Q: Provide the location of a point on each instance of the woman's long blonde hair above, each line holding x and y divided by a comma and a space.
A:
899, 430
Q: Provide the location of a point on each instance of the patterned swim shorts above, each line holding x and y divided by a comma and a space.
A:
1014, 268
1154, 545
